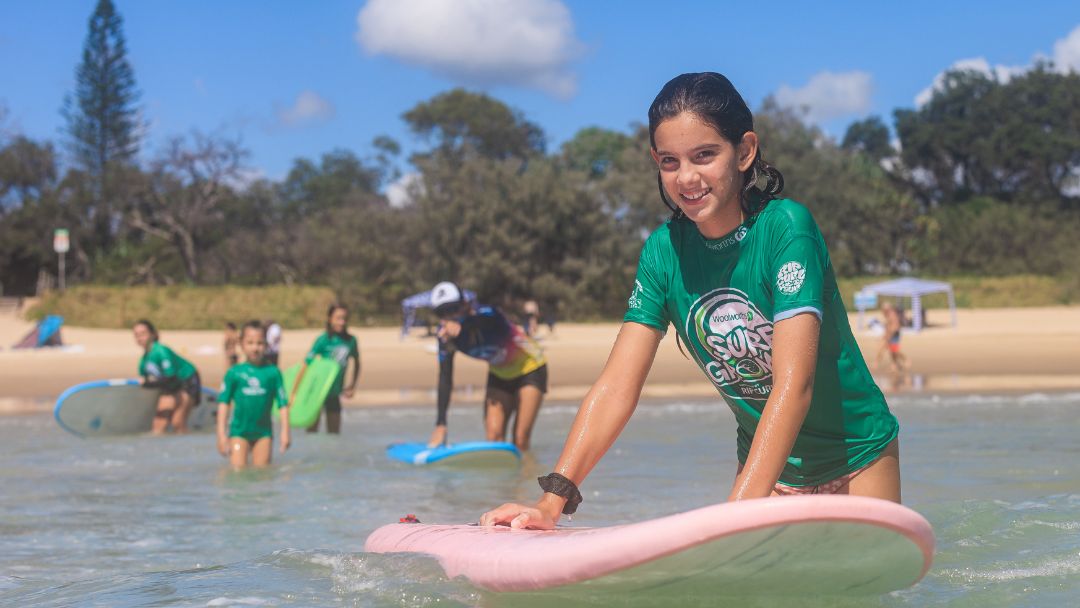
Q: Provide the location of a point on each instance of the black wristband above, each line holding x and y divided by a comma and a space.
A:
561, 486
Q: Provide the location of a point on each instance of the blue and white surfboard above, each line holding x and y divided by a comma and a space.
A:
120, 407
476, 453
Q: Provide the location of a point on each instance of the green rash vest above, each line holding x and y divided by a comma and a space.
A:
337, 348
161, 362
724, 297
252, 389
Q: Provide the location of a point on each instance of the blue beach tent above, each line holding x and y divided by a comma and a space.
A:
46, 333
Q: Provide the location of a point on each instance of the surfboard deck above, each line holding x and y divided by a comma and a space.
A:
121, 407
797, 545
308, 402
469, 453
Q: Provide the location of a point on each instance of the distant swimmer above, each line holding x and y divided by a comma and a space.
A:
517, 371
173, 375
744, 278
339, 346
250, 391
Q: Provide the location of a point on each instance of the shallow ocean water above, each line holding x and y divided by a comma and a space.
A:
141, 521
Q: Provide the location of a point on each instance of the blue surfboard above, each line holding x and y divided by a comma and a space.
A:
476, 453
120, 407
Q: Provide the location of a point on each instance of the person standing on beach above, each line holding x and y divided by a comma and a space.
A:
891, 339
250, 390
746, 281
173, 375
273, 341
338, 345
517, 370
232, 341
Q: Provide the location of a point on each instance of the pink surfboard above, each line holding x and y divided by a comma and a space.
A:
798, 545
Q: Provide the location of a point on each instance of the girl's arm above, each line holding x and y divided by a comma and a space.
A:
223, 410
795, 347
286, 440
296, 383
442, 403
355, 375
602, 415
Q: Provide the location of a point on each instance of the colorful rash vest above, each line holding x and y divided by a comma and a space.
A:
724, 297
489, 336
161, 362
252, 389
337, 348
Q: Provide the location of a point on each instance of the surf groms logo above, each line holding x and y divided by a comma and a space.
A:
790, 277
732, 342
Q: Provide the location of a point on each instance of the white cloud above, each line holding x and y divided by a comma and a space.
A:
1066, 58
1067, 52
309, 108
830, 95
1003, 73
528, 43
401, 192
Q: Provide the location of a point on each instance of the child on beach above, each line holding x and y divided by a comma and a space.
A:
173, 375
746, 281
250, 390
337, 344
891, 339
517, 371
232, 340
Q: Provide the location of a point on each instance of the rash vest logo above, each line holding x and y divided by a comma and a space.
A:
732, 342
790, 278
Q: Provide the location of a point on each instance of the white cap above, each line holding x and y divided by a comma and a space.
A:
445, 293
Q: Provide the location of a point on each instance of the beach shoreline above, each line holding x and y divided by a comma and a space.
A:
989, 351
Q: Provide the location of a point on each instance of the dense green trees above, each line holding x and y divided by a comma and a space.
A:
984, 180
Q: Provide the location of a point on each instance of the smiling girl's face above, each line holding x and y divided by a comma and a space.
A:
702, 172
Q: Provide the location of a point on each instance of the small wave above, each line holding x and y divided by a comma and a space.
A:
239, 601
993, 399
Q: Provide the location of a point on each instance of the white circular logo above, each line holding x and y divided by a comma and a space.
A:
790, 278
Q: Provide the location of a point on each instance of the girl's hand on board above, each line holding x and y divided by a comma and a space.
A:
518, 516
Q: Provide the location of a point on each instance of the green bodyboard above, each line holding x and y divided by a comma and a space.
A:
316, 384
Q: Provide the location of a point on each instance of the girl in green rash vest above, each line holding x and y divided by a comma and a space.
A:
340, 346
251, 388
177, 378
746, 282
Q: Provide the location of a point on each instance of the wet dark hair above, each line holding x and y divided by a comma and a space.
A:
712, 98
149, 326
330, 312
253, 324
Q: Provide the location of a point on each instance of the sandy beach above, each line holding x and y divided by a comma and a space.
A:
1012, 349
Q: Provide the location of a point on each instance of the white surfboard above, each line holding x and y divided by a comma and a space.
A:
798, 545
120, 407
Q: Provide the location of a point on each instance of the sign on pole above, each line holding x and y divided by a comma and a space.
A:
61, 244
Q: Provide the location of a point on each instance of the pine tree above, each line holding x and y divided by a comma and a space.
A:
103, 121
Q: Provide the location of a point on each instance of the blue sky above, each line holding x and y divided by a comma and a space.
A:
296, 79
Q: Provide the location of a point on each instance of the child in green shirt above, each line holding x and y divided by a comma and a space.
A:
745, 280
173, 375
338, 345
250, 390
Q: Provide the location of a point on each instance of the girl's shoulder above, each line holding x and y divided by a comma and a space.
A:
787, 214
